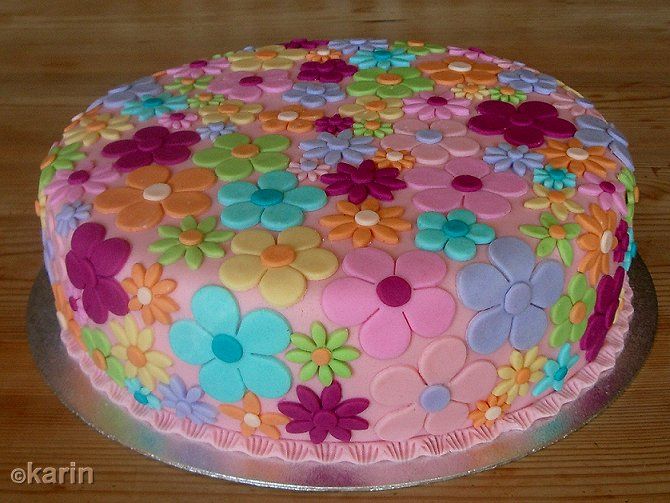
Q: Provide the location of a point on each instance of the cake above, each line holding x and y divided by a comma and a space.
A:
345, 250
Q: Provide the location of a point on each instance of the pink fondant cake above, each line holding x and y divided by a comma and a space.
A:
346, 250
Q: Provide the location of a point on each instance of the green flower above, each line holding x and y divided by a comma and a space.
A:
186, 84
627, 177
234, 156
571, 312
59, 158
552, 235
192, 240
202, 100
100, 350
418, 48
372, 128
395, 83
507, 94
322, 353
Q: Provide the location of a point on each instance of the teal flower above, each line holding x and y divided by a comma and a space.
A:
100, 350
554, 178
154, 106
552, 235
185, 85
59, 158
141, 394
396, 83
556, 371
631, 251
382, 58
234, 353
457, 234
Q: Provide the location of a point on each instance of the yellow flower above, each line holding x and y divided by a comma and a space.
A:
515, 378
370, 108
280, 269
90, 129
559, 201
269, 57
235, 111
134, 347
470, 91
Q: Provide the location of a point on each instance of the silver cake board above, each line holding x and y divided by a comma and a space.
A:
74, 389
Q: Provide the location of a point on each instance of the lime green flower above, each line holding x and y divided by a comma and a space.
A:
202, 100
507, 94
187, 84
418, 47
552, 235
59, 158
394, 83
372, 128
571, 312
627, 177
100, 350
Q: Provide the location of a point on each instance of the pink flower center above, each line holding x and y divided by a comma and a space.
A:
394, 291
466, 183
437, 101
177, 116
252, 80
78, 177
607, 187
325, 419
198, 63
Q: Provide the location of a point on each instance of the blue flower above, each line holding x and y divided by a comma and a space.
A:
149, 106
382, 58
595, 132
119, 96
141, 394
213, 131
556, 371
71, 216
234, 354
457, 234
631, 251
49, 254
186, 401
554, 178
343, 147
518, 159
351, 45
314, 94
511, 295
277, 202
527, 81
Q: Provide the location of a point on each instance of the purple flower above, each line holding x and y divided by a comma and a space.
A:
186, 402
351, 45
363, 181
602, 319
153, 144
343, 147
334, 124
314, 94
303, 43
623, 241
595, 132
528, 82
325, 415
119, 96
333, 70
49, 254
212, 131
91, 265
519, 159
71, 215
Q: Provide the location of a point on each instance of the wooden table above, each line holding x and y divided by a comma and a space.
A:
56, 57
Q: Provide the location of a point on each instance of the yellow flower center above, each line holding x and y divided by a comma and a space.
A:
389, 79
191, 237
136, 356
321, 356
557, 232
577, 313
99, 359
277, 256
245, 151
157, 192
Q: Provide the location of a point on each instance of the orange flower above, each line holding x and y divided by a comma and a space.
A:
251, 418
598, 241
389, 158
365, 223
324, 54
294, 118
149, 294
64, 313
455, 70
153, 191
488, 412
577, 159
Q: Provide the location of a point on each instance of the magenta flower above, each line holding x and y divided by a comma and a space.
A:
602, 319
91, 265
325, 415
303, 43
153, 144
428, 106
390, 299
363, 181
334, 124
199, 67
331, 71
435, 396
71, 185
249, 86
465, 183
611, 194
623, 241
526, 125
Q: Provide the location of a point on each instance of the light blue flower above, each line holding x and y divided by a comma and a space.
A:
556, 371
154, 106
213, 131
142, 394
276, 202
343, 147
119, 96
554, 178
595, 132
49, 254
71, 216
351, 45
631, 251
314, 94
234, 354
186, 401
457, 234
382, 58
518, 159
527, 81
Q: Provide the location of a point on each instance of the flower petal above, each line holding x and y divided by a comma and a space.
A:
528, 327
282, 286
513, 257
489, 330
401, 424
216, 310
264, 332
421, 268
265, 375
369, 264
453, 417
547, 283
349, 301
474, 382
190, 342
385, 334
430, 311
222, 381
481, 286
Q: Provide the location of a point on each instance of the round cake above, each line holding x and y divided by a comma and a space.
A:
341, 250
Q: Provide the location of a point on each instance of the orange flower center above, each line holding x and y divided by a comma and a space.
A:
459, 66
191, 237
472, 88
96, 126
389, 79
99, 359
228, 108
507, 91
136, 356
577, 313
557, 232
205, 97
277, 256
266, 54
187, 81
376, 105
48, 160
416, 43
245, 151
321, 356
372, 125
522, 376
556, 196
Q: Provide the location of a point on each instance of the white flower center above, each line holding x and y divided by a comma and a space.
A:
251, 420
578, 154
366, 218
606, 242
493, 413
287, 116
459, 66
61, 320
144, 295
323, 52
394, 156
157, 192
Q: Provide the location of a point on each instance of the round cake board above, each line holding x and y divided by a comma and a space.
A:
75, 390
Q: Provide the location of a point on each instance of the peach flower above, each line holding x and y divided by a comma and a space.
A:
455, 70
577, 159
149, 294
598, 241
293, 118
252, 419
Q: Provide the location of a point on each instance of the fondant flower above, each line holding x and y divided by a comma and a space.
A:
488, 411
186, 401
71, 216
623, 241
153, 191
313, 94
307, 170
508, 94
577, 159
149, 106
594, 131
431, 144
391, 158
204, 99
529, 82
454, 70
434, 396
519, 159
429, 106
249, 86
199, 67
372, 128
293, 118
343, 147
100, 350
418, 47
322, 353
89, 129
212, 131
142, 394
252, 419
517, 376
191, 240
457, 234
149, 294
477, 54
280, 268
91, 265
71, 185
324, 415
597, 241
390, 299
366, 223
234, 353
323, 54
554, 178
352, 45
153, 144
363, 181
64, 312
184, 85
276, 202
470, 91
372, 108
576, 105
556, 371
235, 156
631, 250
526, 125
178, 120
626, 177
334, 124
467, 183
59, 158
233, 111
510, 296
331, 70
382, 58
552, 235
119, 96
610, 194
269, 57
304, 43
396, 83
559, 201
571, 312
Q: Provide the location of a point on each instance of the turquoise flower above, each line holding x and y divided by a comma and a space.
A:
631, 251
234, 353
554, 178
556, 371
142, 394
457, 234
149, 106
277, 202
382, 58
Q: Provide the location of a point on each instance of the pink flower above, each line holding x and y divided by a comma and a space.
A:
431, 144
71, 185
466, 183
200, 67
178, 120
574, 104
433, 397
477, 54
249, 86
429, 106
610, 194
390, 299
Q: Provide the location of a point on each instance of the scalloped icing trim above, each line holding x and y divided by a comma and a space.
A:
365, 452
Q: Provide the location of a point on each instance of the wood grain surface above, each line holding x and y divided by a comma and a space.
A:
57, 56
